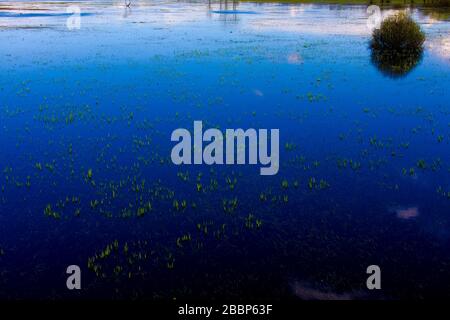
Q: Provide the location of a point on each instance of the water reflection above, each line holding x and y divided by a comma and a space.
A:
395, 64
271, 18
113, 91
126, 10
227, 10
437, 14
441, 47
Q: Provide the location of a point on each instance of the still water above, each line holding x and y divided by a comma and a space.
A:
87, 106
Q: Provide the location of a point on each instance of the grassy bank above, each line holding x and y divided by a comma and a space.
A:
427, 3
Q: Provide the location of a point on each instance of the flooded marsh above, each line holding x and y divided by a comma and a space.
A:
88, 102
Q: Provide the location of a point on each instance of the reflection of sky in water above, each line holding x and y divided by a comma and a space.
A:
440, 46
297, 19
304, 19
131, 75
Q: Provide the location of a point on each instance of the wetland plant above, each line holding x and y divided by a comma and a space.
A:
49, 212
262, 197
397, 46
421, 164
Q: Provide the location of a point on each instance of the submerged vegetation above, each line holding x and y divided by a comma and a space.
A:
398, 45
87, 158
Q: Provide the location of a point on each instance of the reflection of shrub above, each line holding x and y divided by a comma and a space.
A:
398, 33
395, 65
397, 46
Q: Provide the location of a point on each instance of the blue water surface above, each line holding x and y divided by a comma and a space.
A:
87, 107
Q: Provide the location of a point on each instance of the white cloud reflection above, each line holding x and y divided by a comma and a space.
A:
305, 291
309, 19
296, 19
294, 58
440, 47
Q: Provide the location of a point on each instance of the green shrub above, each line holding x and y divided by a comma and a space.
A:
398, 33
